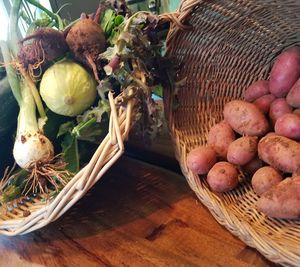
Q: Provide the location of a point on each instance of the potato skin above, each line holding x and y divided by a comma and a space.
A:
264, 179
201, 159
285, 72
293, 97
280, 152
264, 102
219, 138
282, 200
242, 150
245, 118
297, 111
278, 108
288, 125
256, 90
252, 166
270, 134
296, 173
222, 177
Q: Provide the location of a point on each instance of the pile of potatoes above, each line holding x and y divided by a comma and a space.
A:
260, 136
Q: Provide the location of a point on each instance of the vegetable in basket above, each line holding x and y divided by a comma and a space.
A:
267, 147
264, 102
67, 88
293, 97
242, 150
222, 177
264, 179
44, 45
201, 159
87, 41
285, 72
256, 90
245, 118
30, 143
282, 200
220, 137
288, 125
278, 108
51, 141
32, 151
280, 152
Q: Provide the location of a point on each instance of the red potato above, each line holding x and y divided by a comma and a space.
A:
264, 102
278, 108
285, 72
270, 134
256, 90
222, 177
242, 150
245, 118
296, 173
297, 111
252, 166
293, 97
288, 125
282, 200
219, 138
264, 179
280, 152
201, 159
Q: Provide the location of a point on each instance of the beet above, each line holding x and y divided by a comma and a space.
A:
45, 44
86, 40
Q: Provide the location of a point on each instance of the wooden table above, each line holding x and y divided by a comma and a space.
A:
137, 215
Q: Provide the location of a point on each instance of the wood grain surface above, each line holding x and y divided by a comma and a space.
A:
137, 215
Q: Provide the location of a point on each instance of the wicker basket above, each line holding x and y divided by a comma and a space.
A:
33, 213
232, 43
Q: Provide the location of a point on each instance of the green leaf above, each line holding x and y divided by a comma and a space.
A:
97, 112
70, 152
112, 39
158, 90
118, 20
91, 130
15, 187
107, 22
65, 128
11, 192
84, 127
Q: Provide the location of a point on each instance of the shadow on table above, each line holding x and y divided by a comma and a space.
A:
130, 191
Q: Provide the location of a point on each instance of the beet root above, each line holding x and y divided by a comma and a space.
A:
45, 44
86, 40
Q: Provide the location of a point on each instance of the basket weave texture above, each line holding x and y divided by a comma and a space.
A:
33, 213
231, 44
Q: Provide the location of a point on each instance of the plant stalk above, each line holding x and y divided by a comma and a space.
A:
13, 79
13, 26
48, 12
34, 92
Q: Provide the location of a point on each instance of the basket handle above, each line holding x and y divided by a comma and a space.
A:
178, 19
173, 18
